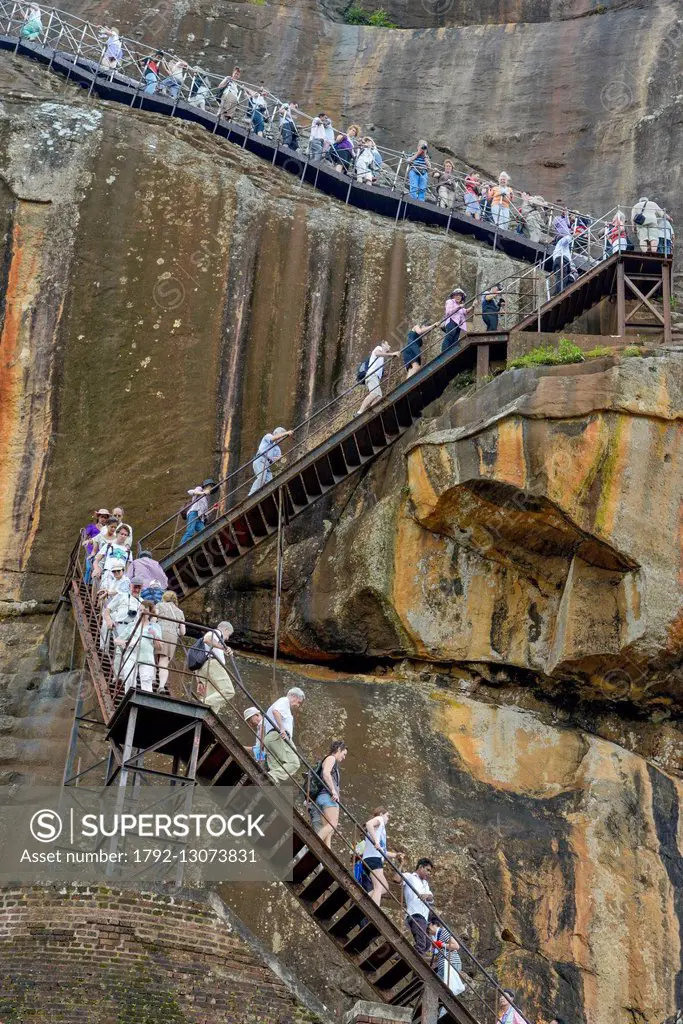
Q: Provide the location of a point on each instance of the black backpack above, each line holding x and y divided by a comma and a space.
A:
362, 371
313, 783
197, 655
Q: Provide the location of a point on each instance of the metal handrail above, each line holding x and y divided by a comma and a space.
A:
525, 293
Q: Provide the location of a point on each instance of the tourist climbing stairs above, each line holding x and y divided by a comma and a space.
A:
204, 749
314, 468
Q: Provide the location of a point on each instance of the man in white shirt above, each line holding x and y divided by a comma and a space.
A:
279, 730
374, 374
269, 452
316, 143
417, 896
563, 264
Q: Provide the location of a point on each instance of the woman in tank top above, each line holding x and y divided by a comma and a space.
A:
375, 846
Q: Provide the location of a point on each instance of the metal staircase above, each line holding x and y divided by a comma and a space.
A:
201, 748
313, 472
241, 522
75, 49
621, 275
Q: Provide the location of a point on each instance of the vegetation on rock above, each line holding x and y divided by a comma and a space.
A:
545, 355
356, 15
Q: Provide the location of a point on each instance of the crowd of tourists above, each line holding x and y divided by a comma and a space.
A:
141, 629
356, 154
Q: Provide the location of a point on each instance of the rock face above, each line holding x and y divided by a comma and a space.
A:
168, 300
557, 853
509, 531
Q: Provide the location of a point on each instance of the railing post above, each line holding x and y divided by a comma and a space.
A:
482, 362
666, 296
398, 171
55, 46
97, 71
11, 19
78, 52
621, 299
47, 30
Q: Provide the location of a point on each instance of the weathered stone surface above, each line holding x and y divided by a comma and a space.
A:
533, 525
526, 537
193, 298
557, 853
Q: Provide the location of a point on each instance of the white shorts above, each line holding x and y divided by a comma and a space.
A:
373, 382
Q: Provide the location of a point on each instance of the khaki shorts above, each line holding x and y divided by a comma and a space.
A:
647, 233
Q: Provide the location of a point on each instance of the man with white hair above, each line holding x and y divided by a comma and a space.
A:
279, 730
268, 453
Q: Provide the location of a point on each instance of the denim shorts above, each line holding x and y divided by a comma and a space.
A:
324, 800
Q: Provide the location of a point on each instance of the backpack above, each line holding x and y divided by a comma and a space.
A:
197, 655
362, 875
313, 782
362, 371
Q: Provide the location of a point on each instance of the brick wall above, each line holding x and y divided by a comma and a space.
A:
103, 956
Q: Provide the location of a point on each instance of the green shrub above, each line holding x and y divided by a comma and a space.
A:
545, 355
632, 350
356, 15
598, 351
380, 19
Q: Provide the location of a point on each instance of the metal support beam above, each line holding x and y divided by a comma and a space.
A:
483, 352
430, 1006
666, 300
621, 300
